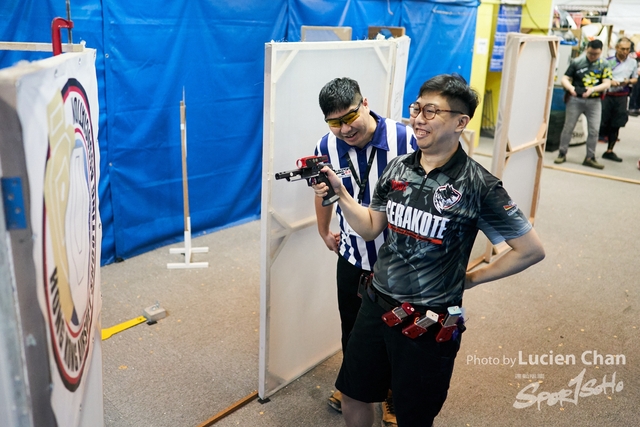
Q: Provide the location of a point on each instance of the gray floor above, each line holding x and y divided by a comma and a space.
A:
584, 297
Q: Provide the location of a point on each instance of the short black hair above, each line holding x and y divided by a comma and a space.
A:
453, 88
338, 95
595, 44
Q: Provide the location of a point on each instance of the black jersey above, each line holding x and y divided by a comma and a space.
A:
586, 74
433, 220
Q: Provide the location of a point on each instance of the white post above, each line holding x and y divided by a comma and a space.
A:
187, 250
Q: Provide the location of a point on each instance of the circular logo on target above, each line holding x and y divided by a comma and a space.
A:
70, 230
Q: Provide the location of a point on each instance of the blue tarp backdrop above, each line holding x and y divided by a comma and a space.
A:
149, 51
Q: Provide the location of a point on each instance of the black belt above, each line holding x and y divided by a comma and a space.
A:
388, 303
384, 301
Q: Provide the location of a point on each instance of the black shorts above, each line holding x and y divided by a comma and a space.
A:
379, 358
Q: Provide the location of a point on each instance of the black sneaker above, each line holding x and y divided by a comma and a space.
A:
611, 156
592, 163
561, 159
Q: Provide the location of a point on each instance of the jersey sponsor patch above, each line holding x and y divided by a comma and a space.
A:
511, 208
416, 223
398, 185
343, 173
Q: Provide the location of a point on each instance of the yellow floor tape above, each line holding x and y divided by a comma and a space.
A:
106, 333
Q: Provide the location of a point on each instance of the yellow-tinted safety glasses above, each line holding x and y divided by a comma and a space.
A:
347, 119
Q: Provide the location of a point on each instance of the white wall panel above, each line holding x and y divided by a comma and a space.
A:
299, 322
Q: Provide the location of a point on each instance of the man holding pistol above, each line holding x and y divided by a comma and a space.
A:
361, 142
432, 203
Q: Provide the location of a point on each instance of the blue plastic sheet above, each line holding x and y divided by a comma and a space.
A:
149, 52
442, 36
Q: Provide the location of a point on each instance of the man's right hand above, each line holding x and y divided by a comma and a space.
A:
332, 240
321, 188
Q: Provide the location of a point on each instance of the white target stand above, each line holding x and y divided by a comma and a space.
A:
187, 250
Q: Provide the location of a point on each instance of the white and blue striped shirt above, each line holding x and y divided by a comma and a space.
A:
390, 139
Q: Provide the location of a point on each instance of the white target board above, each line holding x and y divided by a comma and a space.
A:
50, 161
299, 321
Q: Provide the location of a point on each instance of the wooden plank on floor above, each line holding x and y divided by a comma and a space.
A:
220, 415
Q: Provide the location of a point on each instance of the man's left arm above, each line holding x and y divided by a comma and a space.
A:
526, 250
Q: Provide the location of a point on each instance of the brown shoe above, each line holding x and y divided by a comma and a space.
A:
335, 401
389, 412
592, 163
561, 159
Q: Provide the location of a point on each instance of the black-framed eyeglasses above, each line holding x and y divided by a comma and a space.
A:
347, 119
428, 111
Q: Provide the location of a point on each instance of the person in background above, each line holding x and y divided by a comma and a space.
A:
585, 80
634, 98
362, 142
624, 71
432, 203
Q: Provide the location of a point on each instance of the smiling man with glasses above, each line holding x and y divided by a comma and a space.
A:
431, 203
362, 142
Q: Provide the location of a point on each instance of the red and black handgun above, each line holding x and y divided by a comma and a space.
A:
309, 168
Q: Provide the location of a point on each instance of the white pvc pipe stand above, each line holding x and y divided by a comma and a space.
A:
187, 251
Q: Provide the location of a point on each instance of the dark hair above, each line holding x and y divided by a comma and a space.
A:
338, 95
453, 88
595, 44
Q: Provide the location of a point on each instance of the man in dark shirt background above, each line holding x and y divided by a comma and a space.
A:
585, 81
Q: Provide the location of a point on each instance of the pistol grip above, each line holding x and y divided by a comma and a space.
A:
331, 196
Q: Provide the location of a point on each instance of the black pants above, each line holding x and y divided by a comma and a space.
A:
634, 99
614, 116
348, 277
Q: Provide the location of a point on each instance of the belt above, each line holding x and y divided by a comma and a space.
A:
384, 301
621, 93
388, 303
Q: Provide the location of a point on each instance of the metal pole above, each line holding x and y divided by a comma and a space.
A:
69, 19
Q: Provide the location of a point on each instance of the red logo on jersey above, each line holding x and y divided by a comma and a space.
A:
399, 185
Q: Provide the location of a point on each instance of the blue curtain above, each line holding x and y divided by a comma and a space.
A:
150, 52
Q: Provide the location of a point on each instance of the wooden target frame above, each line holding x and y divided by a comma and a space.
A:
523, 121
